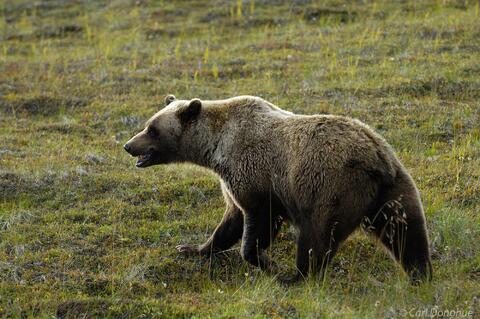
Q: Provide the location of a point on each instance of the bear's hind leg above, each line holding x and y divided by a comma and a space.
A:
400, 225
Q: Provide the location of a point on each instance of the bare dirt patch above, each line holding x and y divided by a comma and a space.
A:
44, 105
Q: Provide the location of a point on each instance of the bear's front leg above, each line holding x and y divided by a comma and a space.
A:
253, 240
316, 247
227, 233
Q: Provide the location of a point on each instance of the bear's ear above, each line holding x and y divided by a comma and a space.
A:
190, 111
169, 99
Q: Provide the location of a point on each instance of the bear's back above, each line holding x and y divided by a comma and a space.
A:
336, 142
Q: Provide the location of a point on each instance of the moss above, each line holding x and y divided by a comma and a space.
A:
85, 234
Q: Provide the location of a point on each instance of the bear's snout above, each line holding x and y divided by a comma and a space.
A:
127, 148
140, 147
132, 149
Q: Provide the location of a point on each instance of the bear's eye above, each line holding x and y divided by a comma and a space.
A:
152, 132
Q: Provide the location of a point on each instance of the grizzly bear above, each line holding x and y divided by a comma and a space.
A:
325, 174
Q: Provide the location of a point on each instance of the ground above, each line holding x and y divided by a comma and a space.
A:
83, 233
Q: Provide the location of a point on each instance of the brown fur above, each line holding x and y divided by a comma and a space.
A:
326, 174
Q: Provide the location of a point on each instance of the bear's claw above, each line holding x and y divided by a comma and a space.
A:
188, 249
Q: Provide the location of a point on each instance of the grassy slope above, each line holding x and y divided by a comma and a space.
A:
82, 231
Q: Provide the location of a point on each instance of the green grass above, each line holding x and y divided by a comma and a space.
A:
83, 233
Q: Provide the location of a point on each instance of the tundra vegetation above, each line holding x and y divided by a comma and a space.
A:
83, 233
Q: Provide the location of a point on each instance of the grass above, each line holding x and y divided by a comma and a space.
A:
85, 234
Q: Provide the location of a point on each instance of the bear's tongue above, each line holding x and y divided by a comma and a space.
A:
142, 159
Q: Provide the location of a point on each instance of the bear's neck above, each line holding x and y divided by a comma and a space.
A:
201, 139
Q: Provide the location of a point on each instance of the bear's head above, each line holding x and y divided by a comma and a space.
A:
159, 141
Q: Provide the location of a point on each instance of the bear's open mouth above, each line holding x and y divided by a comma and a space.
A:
143, 160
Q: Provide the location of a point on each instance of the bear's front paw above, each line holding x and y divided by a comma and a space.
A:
188, 249
289, 280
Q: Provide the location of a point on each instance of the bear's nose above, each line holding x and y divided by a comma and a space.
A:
127, 147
